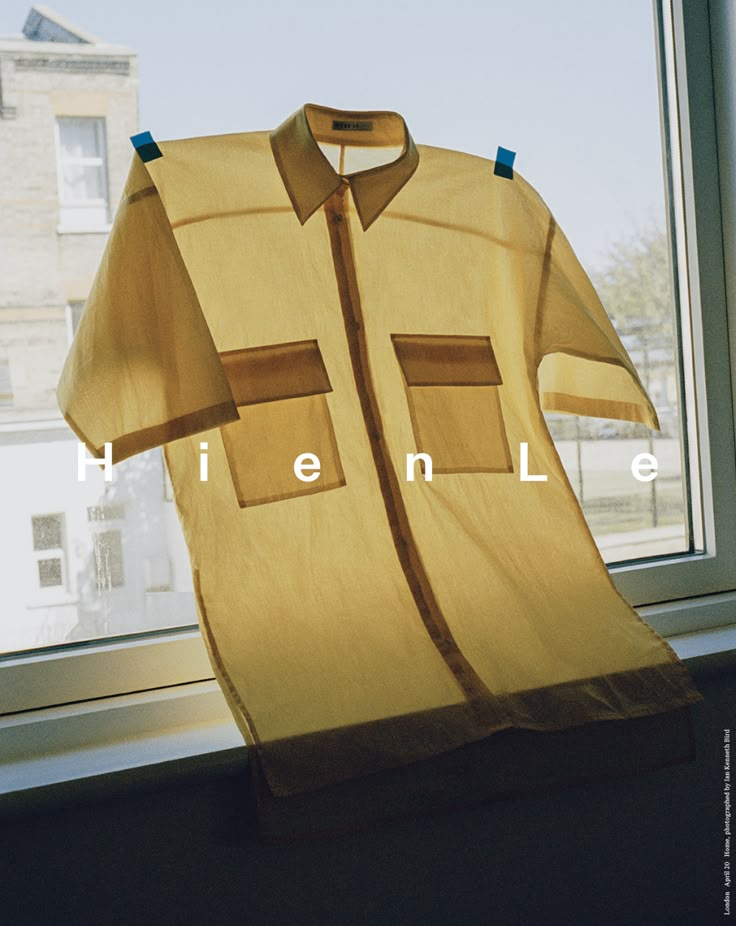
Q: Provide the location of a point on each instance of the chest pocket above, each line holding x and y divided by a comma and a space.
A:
281, 394
452, 385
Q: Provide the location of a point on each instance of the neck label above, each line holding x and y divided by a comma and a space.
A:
342, 125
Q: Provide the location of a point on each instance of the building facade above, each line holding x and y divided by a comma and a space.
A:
84, 558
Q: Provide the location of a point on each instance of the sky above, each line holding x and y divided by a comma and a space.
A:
571, 86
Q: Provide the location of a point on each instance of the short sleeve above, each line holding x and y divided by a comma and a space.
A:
143, 368
584, 368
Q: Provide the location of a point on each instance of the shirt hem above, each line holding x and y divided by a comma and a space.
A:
146, 754
598, 408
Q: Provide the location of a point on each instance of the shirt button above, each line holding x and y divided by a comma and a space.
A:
338, 218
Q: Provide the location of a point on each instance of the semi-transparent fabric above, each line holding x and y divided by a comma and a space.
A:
330, 288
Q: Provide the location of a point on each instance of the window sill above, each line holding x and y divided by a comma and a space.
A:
59, 600
84, 229
706, 651
77, 751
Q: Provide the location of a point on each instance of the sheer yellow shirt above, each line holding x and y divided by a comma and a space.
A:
334, 290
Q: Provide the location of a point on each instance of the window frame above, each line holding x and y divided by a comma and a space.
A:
73, 214
46, 595
696, 591
676, 595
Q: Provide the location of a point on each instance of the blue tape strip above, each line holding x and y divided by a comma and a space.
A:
146, 147
504, 163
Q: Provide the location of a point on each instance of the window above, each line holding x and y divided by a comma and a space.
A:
108, 544
50, 572
48, 531
73, 315
109, 558
670, 539
699, 584
82, 172
48, 546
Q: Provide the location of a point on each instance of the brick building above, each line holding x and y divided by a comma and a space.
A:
68, 104
84, 557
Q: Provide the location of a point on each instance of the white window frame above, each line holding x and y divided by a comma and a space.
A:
89, 214
689, 598
697, 591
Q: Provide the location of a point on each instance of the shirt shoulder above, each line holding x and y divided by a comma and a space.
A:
470, 192
214, 174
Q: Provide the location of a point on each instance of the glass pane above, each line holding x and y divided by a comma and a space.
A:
81, 182
126, 566
109, 559
468, 76
49, 572
75, 311
630, 517
47, 532
80, 138
106, 513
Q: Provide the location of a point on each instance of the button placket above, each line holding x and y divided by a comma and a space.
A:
485, 706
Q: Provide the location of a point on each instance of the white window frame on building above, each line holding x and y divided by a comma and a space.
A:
83, 213
690, 598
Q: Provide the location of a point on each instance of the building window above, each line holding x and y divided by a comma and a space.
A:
6, 384
73, 316
108, 544
82, 170
48, 531
48, 545
50, 573
108, 512
109, 559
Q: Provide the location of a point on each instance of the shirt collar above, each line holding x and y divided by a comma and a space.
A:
309, 177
